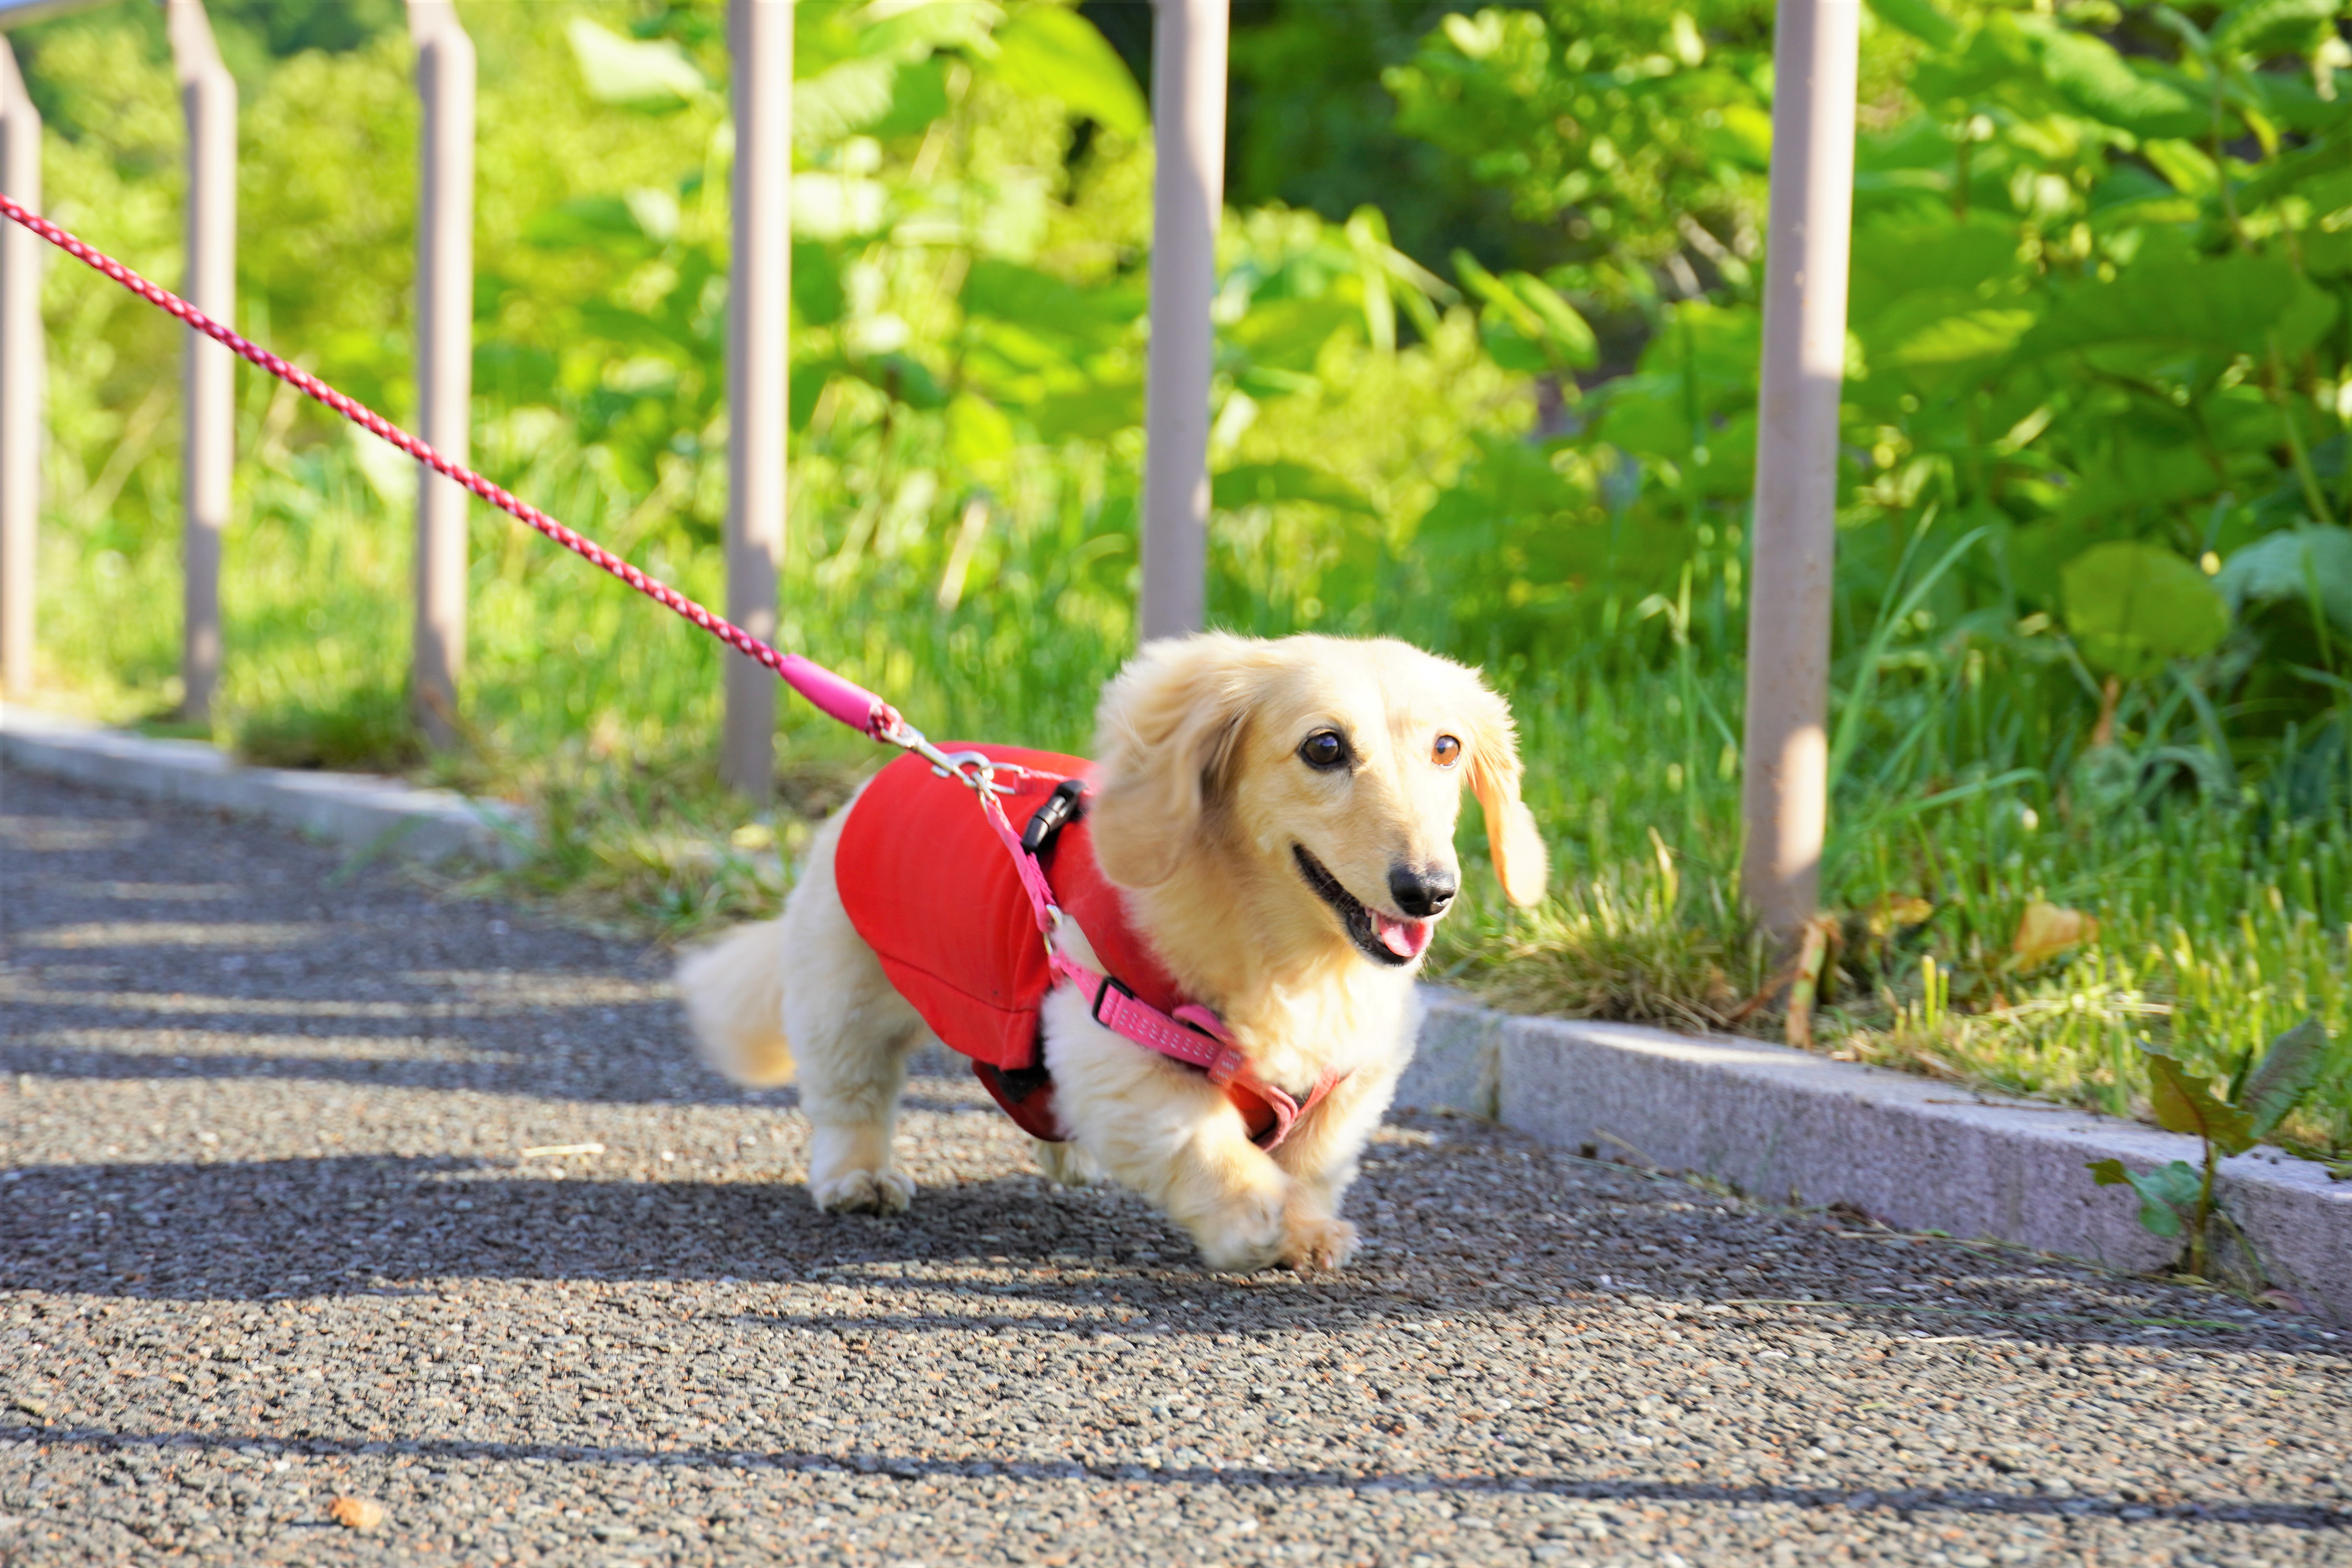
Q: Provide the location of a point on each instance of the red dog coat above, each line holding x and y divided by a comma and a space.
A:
936, 895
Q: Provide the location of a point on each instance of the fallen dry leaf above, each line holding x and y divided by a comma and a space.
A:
2048, 930
356, 1512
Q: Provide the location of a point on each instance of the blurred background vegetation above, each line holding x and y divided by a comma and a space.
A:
1485, 379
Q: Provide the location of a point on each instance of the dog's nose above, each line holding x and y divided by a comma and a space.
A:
1423, 894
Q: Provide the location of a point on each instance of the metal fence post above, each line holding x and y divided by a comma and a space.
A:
445, 356
1188, 183
1785, 789
759, 290
208, 102
23, 367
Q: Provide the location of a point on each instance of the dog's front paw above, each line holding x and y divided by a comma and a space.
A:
1244, 1236
1314, 1245
863, 1192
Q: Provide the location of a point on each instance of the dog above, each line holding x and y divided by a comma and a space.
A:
1276, 820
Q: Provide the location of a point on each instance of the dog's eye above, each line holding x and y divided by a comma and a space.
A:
1446, 753
1324, 748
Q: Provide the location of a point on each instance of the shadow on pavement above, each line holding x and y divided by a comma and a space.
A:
1907, 1500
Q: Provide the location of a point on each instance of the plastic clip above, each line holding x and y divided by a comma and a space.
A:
1061, 808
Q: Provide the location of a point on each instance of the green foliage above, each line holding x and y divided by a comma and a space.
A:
2166, 1192
2178, 1198
2097, 351
2135, 607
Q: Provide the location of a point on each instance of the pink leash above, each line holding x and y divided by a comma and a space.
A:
1198, 1039
844, 700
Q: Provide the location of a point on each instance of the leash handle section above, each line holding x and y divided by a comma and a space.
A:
838, 698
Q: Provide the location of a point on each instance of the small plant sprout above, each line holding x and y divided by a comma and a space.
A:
2178, 1197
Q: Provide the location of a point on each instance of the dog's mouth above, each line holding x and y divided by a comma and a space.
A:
1380, 937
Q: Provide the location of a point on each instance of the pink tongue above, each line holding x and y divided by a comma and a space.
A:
1404, 938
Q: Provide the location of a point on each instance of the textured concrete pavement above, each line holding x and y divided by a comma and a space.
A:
313, 1187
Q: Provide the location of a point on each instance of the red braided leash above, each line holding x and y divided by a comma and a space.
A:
852, 704
1193, 1035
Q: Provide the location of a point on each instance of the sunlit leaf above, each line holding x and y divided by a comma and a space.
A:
1059, 54
1965, 335
833, 207
978, 431
648, 73
847, 99
2133, 607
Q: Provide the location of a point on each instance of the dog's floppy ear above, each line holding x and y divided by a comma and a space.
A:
1520, 859
1165, 737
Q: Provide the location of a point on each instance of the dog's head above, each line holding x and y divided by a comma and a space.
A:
1326, 772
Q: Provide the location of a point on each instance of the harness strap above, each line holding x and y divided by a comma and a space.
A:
1193, 1035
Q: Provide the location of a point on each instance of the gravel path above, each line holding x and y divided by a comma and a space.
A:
313, 1187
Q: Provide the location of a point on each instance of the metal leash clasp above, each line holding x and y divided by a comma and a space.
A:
971, 769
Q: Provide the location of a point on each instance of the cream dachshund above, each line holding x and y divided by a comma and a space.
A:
1275, 822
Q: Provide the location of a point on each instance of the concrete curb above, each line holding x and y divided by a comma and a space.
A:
384, 814
1786, 1125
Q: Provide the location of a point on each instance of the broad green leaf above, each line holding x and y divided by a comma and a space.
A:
2233, 305
1921, 20
817, 292
2287, 1072
649, 73
2186, 1104
1040, 302
1957, 339
1059, 54
1289, 335
2257, 25
2290, 567
2161, 1201
1264, 484
606, 222
2133, 607
2094, 78
918, 96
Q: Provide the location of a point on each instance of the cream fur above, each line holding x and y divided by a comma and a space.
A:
1202, 800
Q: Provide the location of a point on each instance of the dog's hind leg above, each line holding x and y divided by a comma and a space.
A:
1066, 1165
853, 1033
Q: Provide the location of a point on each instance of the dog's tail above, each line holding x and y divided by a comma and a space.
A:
734, 995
